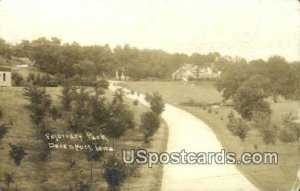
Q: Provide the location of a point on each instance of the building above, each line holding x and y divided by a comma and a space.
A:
5, 76
189, 71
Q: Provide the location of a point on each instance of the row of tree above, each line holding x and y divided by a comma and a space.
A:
53, 57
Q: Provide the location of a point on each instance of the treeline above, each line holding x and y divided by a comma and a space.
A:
69, 60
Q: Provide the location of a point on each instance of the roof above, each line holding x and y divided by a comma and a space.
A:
5, 68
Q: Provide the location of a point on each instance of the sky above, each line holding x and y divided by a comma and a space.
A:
248, 28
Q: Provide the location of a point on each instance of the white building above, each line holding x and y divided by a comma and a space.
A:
5, 77
189, 71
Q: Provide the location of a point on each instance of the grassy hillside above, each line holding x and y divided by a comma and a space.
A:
266, 177
34, 175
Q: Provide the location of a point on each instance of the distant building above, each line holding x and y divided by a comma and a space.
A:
189, 71
5, 76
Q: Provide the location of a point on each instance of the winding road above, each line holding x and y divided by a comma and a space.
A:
193, 135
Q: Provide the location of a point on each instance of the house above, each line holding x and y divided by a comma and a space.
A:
189, 71
5, 76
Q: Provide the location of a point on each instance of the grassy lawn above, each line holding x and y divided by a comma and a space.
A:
265, 177
35, 175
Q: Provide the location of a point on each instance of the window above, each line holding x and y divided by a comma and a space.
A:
4, 77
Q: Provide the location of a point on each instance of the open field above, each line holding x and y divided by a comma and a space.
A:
265, 177
35, 175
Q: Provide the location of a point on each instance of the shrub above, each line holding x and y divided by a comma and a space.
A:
156, 102
216, 112
55, 113
209, 110
135, 102
17, 153
238, 127
149, 124
3, 130
114, 172
287, 136
17, 79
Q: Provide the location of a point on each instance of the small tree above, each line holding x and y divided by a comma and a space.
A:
262, 122
17, 78
238, 127
149, 124
114, 172
55, 113
290, 123
120, 119
156, 102
67, 95
3, 131
17, 153
8, 179
269, 134
93, 156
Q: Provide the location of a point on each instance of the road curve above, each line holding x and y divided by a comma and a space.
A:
193, 135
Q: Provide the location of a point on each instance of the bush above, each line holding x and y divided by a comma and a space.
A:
149, 124
55, 113
209, 110
114, 172
238, 127
17, 79
3, 130
17, 153
156, 102
135, 102
287, 136
216, 112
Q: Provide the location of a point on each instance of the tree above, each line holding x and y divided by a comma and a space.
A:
238, 127
40, 103
8, 179
93, 156
77, 182
67, 95
269, 134
250, 98
17, 153
3, 130
79, 121
55, 113
278, 71
262, 122
150, 122
114, 172
231, 78
17, 79
120, 119
156, 102
291, 125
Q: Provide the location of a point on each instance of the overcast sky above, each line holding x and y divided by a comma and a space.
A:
247, 28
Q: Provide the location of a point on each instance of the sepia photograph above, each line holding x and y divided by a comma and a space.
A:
149, 95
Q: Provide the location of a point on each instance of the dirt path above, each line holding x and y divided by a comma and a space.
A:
190, 133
